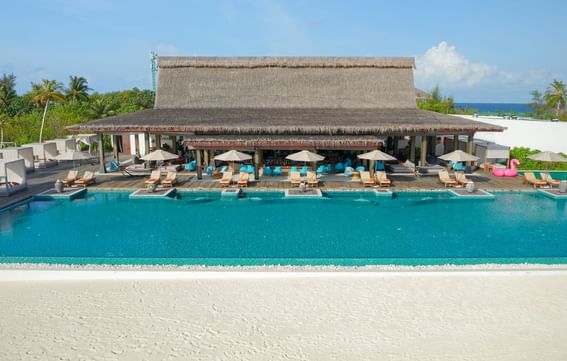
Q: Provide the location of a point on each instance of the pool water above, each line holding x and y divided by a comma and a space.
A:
348, 228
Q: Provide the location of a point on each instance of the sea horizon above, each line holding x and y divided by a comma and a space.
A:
495, 108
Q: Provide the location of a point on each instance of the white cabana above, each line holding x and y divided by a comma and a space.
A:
25, 153
66, 145
44, 154
12, 176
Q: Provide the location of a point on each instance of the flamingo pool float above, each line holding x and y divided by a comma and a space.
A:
507, 172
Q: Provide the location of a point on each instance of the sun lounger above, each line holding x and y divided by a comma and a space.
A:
312, 180
366, 180
226, 179
243, 181
549, 179
169, 180
155, 177
446, 179
532, 180
462, 179
71, 178
295, 179
86, 179
382, 179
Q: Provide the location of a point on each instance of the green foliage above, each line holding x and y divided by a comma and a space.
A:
7, 91
78, 89
522, 154
22, 115
556, 97
437, 103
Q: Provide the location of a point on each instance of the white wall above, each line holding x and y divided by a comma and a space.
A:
533, 134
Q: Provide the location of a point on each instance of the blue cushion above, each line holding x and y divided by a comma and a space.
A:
360, 169
243, 168
278, 171
380, 165
293, 169
192, 165
339, 167
348, 171
303, 170
250, 169
267, 170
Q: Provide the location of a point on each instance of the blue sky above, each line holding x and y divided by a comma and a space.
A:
486, 51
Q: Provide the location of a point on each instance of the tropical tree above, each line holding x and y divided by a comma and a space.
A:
78, 89
7, 89
3, 121
102, 108
556, 96
43, 93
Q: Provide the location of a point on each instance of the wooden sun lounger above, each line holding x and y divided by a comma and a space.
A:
532, 180
155, 177
382, 179
86, 179
549, 179
462, 179
446, 179
226, 179
295, 179
312, 180
243, 181
169, 180
71, 178
366, 180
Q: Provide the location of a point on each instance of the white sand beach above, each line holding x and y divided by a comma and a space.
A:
454, 314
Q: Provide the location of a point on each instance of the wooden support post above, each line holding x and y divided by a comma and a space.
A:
100, 140
423, 151
147, 142
174, 144
199, 164
396, 145
205, 158
115, 147
137, 144
470, 143
412, 148
371, 167
455, 142
257, 164
158, 141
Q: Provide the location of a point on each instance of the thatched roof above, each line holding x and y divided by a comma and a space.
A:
287, 121
281, 142
285, 82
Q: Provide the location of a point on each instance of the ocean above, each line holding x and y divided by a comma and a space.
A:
496, 108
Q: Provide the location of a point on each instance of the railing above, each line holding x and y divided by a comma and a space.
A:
7, 144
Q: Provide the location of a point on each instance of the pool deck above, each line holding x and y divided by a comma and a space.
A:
43, 179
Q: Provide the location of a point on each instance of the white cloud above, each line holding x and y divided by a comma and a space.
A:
443, 65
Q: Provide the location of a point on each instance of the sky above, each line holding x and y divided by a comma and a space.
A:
476, 51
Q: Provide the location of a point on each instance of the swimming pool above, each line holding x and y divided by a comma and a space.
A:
345, 228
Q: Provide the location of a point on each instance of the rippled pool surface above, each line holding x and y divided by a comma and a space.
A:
348, 228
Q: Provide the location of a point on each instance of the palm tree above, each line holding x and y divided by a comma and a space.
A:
78, 89
556, 96
43, 93
7, 89
3, 121
100, 108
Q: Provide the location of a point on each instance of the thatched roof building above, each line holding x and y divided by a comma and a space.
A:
291, 101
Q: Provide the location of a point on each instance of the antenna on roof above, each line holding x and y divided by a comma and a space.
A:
153, 60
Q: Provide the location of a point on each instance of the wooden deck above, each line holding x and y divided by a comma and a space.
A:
190, 181
43, 179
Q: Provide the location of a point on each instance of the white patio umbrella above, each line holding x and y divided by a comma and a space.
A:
74, 156
306, 156
548, 157
375, 155
233, 156
160, 155
459, 156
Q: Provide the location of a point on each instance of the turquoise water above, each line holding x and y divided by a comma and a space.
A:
344, 229
497, 108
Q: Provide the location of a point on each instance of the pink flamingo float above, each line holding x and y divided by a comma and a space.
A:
507, 172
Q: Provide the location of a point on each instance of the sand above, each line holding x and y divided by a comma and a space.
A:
363, 315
